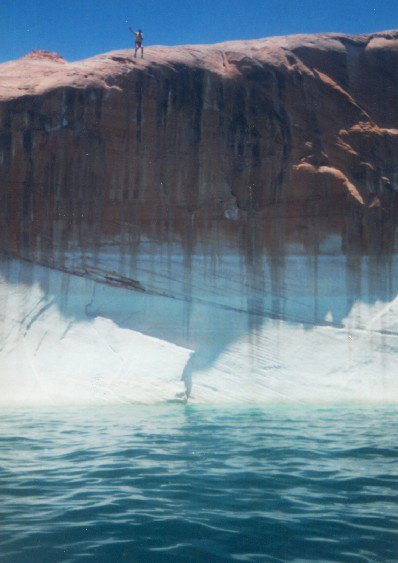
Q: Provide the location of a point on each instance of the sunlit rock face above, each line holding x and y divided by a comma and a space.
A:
230, 209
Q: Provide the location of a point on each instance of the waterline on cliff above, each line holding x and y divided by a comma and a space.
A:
72, 340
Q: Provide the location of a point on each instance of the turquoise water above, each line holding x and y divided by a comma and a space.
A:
189, 483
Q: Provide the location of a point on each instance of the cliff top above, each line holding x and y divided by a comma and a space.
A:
41, 71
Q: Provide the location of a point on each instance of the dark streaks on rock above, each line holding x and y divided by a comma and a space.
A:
296, 136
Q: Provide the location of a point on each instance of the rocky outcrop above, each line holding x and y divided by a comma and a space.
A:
296, 135
238, 204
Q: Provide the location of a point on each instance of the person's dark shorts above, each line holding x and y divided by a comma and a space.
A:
138, 45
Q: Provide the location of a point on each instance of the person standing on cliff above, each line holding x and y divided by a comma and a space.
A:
139, 38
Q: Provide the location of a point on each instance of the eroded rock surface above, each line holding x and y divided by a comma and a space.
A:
238, 200
299, 132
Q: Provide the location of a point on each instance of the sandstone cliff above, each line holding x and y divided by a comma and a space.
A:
238, 200
296, 134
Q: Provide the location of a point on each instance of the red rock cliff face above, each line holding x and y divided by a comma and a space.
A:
259, 144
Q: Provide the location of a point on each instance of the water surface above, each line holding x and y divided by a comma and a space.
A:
188, 483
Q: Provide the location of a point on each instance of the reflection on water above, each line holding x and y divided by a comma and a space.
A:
178, 482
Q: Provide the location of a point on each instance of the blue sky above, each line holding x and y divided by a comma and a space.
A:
82, 28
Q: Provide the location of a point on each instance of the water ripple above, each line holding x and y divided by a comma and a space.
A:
190, 483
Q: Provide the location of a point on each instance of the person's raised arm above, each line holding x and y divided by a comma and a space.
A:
131, 30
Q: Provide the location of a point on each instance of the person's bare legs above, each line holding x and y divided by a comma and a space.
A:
142, 52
